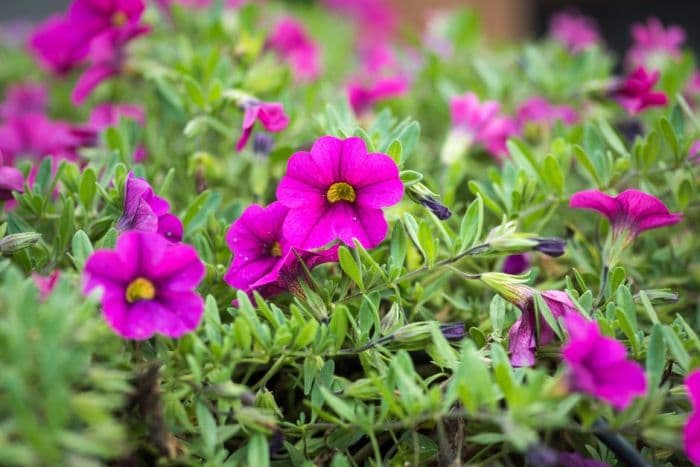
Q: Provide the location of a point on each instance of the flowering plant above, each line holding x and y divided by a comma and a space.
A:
249, 233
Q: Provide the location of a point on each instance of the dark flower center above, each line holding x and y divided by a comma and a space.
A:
119, 19
140, 289
275, 250
341, 191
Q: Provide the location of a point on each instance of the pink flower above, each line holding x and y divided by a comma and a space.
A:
58, 45
46, 284
362, 98
694, 152
522, 337
540, 110
576, 32
145, 211
598, 365
263, 259
290, 41
373, 17
24, 98
482, 123
631, 212
147, 285
635, 92
693, 86
516, 264
691, 431
37, 136
270, 114
336, 192
11, 180
106, 115
652, 40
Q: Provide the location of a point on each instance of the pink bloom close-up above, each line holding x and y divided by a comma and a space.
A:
691, 430
145, 211
291, 42
336, 191
631, 212
598, 365
540, 110
574, 31
362, 97
263, 260
635, 92
270, 114
653, 39
148, 285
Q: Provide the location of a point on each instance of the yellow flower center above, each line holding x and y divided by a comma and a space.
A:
140, 289
275, 250
341, 191
119, 19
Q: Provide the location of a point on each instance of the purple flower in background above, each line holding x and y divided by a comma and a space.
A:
574, 31
145, 211
652, 40
362, 98
263, 259
373, 17
24, 98
635, 93
292, 43
270, 114
11, 179
337, 192
694, 152
516, 264
540, 110
147, 286
46, 284
59, 45
693, 86
36, 136
630, 213
691, 430
522, 337
105, 115
598, 365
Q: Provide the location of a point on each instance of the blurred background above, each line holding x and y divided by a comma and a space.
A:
502, 19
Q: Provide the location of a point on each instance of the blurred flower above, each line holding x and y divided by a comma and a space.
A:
516, 264
651, 40
574, 459
336, 192
270, 114
11, 179
362, 97
453, 331
15, 32
46, 284
374, 18
477, 122
147, 285
291, 42
598, 365
263, 259
145, 211
574, 31
691, 431
58, 45
694, 152
630, 213
106, 115
23, 98
36, 136
693, 86
263, 144
635, 93
542, 456
540, 110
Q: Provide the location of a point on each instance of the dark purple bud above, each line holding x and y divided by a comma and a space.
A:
541, 456
262, 144
516, 264
441, 211
453, 331
276, 442
630, 129
550, 246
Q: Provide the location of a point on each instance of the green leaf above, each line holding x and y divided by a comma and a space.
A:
472, 224
656, 356
612, 138
411, 226
587, 164
88, 187
81, 248
675, 345
410, 177
350, 267
258, 451
395, 150
553, 174
207, 427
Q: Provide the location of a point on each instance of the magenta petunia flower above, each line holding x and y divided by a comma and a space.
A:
522, 337
481, 123
630, 213
691, 430
574, 31
516, 264
263, 259
540, 110
652, 40
292, 43
270, 114
11, 179
145, 211
46, 284
337, 192
147, 285
24, 98
635, 93
58, 45
598, 365
362, 98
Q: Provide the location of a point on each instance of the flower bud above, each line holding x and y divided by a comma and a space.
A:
15, 242
393, 320
421, 194
262, 144
511, 288
453, 331
550, 246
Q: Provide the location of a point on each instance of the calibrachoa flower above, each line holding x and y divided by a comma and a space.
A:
652, 40
598, 365
474, 121
36, 136
516, 264
263, 259
147, 285
24, 98
540, 110
11, 179
635, 93
292, 43
337, 192
691, 431
270, 114
146, 211
58, 45
576, 32
362, 97
630, 213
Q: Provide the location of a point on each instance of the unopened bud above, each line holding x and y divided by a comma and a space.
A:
392, 320
511, 288
262, 144
15, 242
550, 246
453, 331
421, 194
